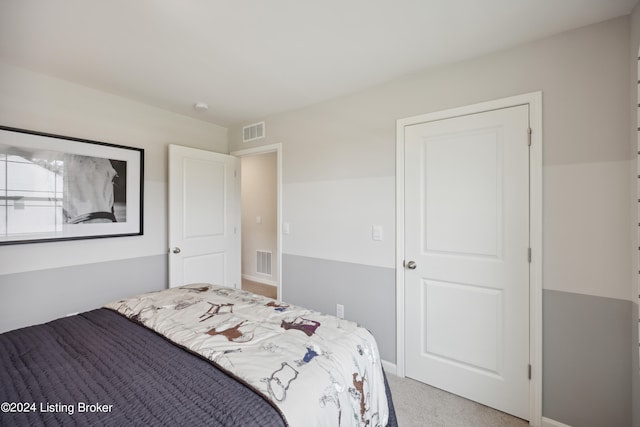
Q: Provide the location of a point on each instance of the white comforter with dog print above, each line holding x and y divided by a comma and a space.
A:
318, 370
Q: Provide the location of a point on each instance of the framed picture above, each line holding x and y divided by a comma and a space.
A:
56, 188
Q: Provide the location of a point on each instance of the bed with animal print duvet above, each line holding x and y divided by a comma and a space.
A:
316, 369
106, 367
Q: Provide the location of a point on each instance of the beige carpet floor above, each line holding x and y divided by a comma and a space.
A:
419, 405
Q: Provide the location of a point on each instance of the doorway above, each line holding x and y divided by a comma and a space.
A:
469, 252
261, 212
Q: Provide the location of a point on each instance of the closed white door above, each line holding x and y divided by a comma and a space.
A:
204, 217
467, 258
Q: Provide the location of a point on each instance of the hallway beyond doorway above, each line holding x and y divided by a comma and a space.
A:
260, 288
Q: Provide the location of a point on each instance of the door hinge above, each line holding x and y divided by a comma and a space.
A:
529, 254
529, 132
530, 371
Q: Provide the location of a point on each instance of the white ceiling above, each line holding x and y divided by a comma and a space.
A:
248, 59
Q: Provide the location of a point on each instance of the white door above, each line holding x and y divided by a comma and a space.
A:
204, 217
467, 263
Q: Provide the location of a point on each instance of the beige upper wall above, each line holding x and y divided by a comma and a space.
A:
37, 102
583, 75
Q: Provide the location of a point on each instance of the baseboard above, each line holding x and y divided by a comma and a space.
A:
546, 422
260, 280
389, 368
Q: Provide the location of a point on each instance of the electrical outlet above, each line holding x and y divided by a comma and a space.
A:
340, 311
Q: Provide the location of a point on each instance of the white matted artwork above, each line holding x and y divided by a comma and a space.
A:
55, 188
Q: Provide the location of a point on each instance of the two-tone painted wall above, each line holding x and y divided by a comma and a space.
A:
42, 281
339, 182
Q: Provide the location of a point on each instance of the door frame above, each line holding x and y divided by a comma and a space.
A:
265, 149
534, 101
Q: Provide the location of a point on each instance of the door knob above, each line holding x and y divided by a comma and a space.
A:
176, 250
411, 265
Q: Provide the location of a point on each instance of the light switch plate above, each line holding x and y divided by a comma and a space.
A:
377, 232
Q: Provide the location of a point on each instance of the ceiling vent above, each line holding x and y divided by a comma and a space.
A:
254, 131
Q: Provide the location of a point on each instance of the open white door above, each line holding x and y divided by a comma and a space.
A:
204, 217
466, 247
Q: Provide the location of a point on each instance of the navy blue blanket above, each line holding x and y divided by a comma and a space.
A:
100, 368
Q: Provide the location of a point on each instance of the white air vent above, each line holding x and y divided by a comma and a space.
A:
254, 131
263, 262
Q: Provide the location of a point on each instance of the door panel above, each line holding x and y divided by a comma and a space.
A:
204, 217
461, 170
204, 198
474, 344
210, 266
467, 229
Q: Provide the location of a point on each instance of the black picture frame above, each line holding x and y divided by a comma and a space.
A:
56, 188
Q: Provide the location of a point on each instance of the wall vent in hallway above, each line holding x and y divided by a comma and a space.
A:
263, 262
254, 131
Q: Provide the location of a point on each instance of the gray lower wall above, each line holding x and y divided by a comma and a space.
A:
39, 296
368, 294
586, 339
590, 344
586, 360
